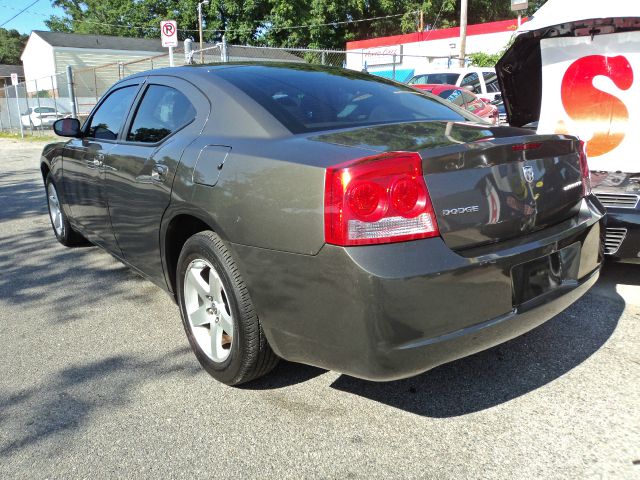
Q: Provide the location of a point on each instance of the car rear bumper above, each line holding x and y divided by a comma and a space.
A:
385, 312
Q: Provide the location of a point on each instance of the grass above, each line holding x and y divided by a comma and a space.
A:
30, 138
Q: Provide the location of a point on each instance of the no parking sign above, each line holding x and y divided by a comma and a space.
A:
169, 33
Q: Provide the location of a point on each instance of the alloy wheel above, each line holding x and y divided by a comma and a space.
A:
54, 210
208, 311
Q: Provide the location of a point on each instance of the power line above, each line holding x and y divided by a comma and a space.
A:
435, 22
20, 12
239, 30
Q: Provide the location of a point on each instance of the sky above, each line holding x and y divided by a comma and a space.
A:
31, 19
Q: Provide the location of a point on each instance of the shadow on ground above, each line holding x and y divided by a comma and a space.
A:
68, 399
19, 197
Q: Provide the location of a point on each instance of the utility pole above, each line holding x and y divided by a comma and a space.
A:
463, 31
421, 21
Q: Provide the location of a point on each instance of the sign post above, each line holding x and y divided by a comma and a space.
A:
518, 6
169, 35
14, 82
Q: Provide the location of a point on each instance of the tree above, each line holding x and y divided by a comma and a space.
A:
11, 46
281, 23
120, 17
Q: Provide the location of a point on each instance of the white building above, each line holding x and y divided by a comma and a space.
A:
47, 54
421, 51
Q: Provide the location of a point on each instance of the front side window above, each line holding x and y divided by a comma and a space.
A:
163, 110
473, 80
111, 114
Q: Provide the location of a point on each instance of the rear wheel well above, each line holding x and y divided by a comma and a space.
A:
179, 231
45, 171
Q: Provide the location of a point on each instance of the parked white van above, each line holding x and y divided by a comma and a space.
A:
481, 81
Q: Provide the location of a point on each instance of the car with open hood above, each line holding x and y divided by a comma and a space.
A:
574, 69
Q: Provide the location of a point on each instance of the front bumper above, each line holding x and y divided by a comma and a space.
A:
385, 312
623, 234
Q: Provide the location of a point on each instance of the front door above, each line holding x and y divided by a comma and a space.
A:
84, 161
141, 167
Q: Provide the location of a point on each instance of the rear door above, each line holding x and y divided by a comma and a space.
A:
140, 169
84, 162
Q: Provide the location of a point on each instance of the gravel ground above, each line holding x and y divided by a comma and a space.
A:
97, 380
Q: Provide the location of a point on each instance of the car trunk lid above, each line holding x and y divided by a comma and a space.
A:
503, 188
486, 183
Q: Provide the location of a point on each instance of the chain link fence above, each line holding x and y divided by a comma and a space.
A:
31, 107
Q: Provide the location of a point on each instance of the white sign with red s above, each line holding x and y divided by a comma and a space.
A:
169, 33
591, 88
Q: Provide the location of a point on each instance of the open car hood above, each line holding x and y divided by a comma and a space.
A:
520, 68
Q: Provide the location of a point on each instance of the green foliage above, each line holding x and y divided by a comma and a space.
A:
272, 22
481, 59
11, 45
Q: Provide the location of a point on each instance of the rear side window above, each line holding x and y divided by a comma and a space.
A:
111, 114
307, 99
162, 111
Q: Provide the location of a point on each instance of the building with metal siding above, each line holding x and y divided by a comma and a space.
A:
47, 54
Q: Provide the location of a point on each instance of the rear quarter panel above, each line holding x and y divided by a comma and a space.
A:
269, 194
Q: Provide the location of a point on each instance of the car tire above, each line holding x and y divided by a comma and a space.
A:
219, 319
62, 229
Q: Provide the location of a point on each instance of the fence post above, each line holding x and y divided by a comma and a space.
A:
38, 99
6, 91
95, 83
72, 93
188, 51
19, 116
55, 98
394, 66
223, 50
322, 58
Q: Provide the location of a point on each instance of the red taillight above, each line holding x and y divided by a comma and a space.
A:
584, 170
379, 199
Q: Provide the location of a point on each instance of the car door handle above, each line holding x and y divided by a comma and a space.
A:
159, 172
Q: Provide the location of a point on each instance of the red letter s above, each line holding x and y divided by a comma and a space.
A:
584, 103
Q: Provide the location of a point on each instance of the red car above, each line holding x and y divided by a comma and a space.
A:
464, 99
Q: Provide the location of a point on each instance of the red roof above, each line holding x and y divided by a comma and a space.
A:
454, 32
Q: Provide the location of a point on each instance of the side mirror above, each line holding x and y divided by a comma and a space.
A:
67, 127
469, 88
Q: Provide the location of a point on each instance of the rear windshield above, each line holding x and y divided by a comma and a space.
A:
309, 99
435, 79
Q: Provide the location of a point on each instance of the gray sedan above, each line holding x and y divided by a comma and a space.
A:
326, 216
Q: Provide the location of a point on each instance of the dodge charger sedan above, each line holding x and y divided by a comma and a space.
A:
326, 216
